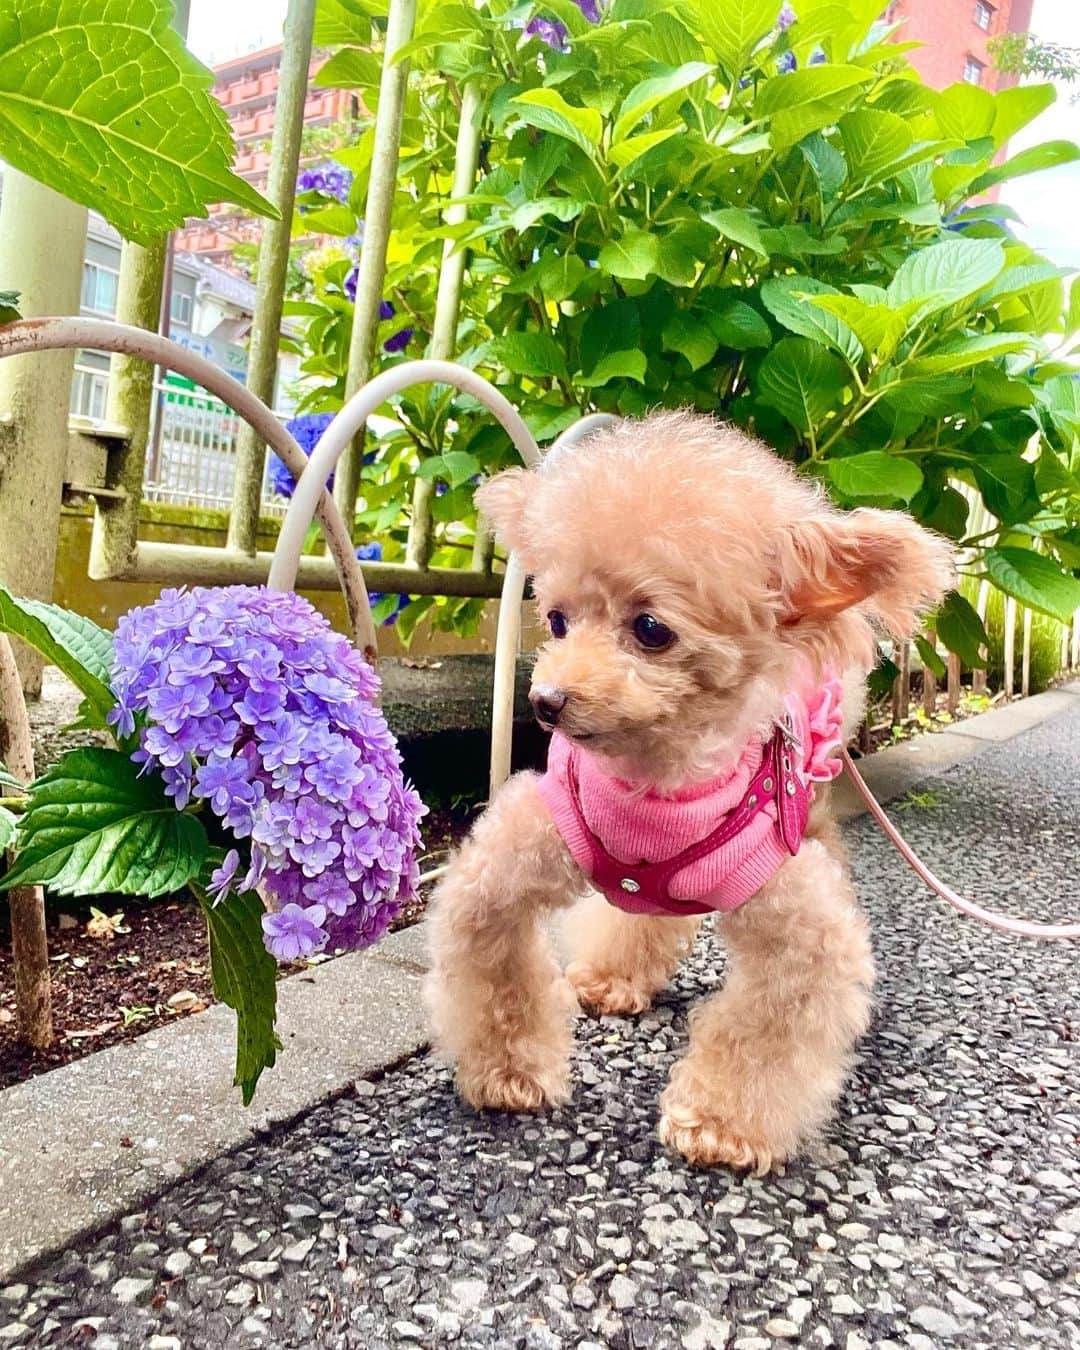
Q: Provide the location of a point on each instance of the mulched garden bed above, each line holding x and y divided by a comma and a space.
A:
112, 981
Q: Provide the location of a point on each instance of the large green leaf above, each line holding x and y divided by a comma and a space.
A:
345, 21
802, 380
946, 273
1034, 580
652, 92
733, 28
1015, 108
72, 643
350, 68
963, 353
101, 100
808, 86
930, 657
629, 365
548, 110
244, 977
537, 355
692, 337
1008, 486
874, 143
962, 631
738, 225
8, 823
875, 474
632, 256
784, 298
878, 328
1049, 155
964, 112
94, 827
738, 325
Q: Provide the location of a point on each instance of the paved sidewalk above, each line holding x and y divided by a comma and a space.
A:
944, 1208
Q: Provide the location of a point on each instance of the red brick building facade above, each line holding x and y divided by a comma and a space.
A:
955, 34
246, 88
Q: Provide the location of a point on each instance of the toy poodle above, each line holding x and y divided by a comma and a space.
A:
712, 622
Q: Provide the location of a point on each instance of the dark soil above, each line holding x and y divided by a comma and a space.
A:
113, 981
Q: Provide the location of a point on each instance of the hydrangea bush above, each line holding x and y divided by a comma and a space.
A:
750, 207
252, 766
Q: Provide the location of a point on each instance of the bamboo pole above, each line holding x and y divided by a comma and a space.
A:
377, 223
978, 675
443, 344
29, 941
130, 401
1025, 666
273, 267
1076, 640
902, 687
1010, 645
953, 683
929, 688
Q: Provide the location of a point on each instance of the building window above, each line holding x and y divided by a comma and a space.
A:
99, 288
180, 308
973, 71
89, 388
984, 15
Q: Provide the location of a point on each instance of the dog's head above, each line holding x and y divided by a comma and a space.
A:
686, 573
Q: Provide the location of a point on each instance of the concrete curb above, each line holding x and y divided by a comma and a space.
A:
85, 1143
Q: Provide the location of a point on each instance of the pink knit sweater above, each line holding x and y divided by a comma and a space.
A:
607, 823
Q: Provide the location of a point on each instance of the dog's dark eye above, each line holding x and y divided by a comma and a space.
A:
558, 623
651, 633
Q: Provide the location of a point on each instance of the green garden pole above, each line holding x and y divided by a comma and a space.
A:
377, 223
273, 266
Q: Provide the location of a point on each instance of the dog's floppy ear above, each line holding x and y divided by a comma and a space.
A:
881, 561
503, 499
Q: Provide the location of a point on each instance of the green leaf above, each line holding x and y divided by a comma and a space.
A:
1015, 108
809, 85
629, 152
94, 827
1034, 580
650, 93
826, 163
632, 257
963, 353
691, 337
548, 110
559, 276
345, 21
784, 298
878, 328
930, 657
244, 976
875, 474
350, 68
962, 631
537, 355
882, 678
946, 273
615, 327
1022, 278
737, 325
7, 828
616, 365
107, 106
964, 112
75, 645
9, 306
874, 142
802, 380
1049, 155
734, 28
738, 225
562, 208
455, 467
1008, 486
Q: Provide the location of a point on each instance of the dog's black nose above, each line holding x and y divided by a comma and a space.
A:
547, 703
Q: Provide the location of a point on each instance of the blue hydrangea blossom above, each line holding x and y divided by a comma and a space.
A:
248, 702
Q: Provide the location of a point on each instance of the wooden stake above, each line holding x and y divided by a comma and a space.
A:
1010, 645
978, 675
902, 687
929, 688
953, 666
1025, 669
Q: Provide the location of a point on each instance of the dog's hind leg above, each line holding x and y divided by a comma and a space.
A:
620, 962
500, 1008
768, 1055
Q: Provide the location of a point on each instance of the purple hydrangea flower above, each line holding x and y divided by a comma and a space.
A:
399, 341
305, 431
590, 10
786, 63
295, 931
331, 179
372, 552
221, 878
787, 17
553, 32
273, 726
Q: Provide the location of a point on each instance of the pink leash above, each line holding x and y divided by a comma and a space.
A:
1018, 927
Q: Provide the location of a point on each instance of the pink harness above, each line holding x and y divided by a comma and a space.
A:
749, 837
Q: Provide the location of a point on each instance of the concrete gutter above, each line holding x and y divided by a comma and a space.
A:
85, 1143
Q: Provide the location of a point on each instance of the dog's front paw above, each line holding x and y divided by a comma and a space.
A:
602, 992
503, 1089
708, 1141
